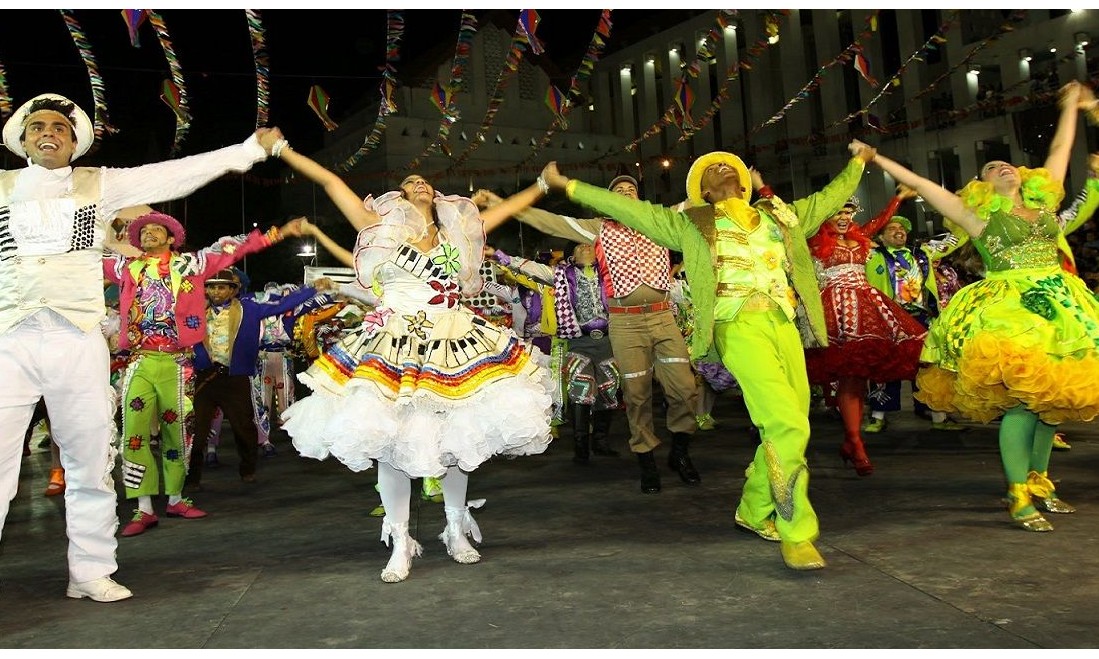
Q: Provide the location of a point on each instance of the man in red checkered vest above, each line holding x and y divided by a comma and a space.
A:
641, 326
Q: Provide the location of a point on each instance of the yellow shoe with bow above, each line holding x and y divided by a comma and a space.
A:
1043, 495
1022, 509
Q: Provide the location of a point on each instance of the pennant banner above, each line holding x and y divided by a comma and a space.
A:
862, 65
318, 102
528, 24
5, 95
519, 43
99, 91
394, 31
560, 104
174, 92
259, 56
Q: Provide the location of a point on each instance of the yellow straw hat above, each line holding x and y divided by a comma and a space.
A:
694, 175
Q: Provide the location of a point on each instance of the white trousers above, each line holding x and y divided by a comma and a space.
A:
46, 356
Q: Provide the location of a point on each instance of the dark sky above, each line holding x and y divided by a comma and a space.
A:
338, 49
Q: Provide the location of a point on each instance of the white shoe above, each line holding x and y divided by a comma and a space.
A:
103, 589
404, 548
459, 524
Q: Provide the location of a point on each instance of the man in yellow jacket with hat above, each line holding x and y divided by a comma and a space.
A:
751, 277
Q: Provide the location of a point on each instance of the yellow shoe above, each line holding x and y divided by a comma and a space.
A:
1018, 503
1043, 495
801, 556
767, 531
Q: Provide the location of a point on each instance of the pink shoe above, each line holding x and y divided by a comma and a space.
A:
139, 523
185, 509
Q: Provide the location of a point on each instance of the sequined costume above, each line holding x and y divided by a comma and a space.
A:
869, 335
1028, 333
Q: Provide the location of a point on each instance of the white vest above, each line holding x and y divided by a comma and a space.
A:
51, 252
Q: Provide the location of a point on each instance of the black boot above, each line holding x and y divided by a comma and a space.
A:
601, 425
680, 461
650, 475
581, 432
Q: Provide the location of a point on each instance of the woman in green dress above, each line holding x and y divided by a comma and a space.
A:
1022, 343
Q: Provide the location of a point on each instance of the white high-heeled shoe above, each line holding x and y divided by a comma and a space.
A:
404, 548
459, 524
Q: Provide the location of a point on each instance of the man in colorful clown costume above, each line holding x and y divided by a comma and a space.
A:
750, 270
163, 304
53, 225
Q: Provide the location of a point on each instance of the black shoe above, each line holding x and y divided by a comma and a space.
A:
581, 432
680, 461
650, 475
601, 424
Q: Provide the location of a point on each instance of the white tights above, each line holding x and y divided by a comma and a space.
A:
395, 488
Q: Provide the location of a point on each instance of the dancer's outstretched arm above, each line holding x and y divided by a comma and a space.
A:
349, 203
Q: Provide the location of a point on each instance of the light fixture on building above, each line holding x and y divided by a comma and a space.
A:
674, 50
730, 28
307, 250
975, 69
665, 163
650, 59
1052, 48
1025, 54
1081, 39
626, 69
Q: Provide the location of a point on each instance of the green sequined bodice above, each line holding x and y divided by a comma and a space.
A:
1010, 242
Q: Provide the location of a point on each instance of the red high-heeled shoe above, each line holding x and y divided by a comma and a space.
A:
856, 455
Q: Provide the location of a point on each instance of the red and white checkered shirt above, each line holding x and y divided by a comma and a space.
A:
628, 259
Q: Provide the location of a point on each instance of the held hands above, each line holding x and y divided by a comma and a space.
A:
307, 227
485, 198
325, 285
267, 138
862, 151
757, 180
293, 228
553, 178
905, 192
488, 252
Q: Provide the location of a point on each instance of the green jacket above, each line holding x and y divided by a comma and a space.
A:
693, 233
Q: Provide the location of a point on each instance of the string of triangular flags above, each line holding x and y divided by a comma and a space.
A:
561, 104
848, 54
394, 31
445, 98
5, 95
678, 111
521, 39
932, 43
99, 94
259, 55
1007, 26
173, 90
751, 56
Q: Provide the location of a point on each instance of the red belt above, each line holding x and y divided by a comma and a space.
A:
642, 308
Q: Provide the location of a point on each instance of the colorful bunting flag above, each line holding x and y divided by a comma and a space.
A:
528, 24
862, 65
684, 99
170, 94
134, 18
318, 102
558, 104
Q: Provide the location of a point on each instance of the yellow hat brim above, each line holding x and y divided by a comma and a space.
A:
694, 175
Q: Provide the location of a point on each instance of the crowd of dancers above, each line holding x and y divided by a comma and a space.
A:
733, 289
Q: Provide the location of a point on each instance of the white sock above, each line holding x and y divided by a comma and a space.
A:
173, 499
455, 484
877, 414
938, 417
395, 487
145, 505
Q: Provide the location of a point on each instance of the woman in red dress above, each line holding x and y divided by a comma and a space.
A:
870, 337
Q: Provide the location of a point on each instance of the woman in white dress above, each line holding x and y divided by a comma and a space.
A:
424, 387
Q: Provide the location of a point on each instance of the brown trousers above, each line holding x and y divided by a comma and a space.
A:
645, 343
233, 394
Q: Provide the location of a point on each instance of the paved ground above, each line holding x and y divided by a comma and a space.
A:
921, 554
